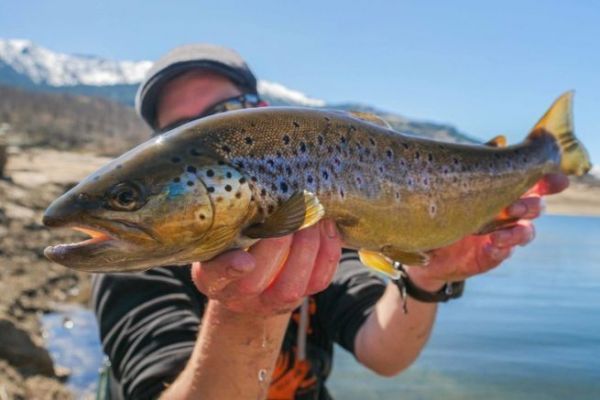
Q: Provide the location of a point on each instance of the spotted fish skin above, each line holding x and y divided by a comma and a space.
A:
200, 189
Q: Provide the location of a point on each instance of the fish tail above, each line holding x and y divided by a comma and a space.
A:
558, 123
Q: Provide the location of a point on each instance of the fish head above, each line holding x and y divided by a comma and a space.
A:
141, 210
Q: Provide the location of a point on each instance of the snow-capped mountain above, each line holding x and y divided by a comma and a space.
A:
46, 67
27, 65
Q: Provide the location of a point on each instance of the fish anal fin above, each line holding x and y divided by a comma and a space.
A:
416, 259
498, 223
498, 141
379, 263
300, 211
372, 118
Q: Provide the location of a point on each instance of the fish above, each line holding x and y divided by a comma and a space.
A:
226, 181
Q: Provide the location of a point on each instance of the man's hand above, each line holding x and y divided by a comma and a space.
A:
477, 254
275, 274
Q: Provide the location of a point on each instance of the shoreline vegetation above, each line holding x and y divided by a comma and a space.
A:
31, 285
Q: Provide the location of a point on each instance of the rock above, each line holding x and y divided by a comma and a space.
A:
18, 349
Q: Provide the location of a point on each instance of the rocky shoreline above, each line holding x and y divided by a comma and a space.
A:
30, 285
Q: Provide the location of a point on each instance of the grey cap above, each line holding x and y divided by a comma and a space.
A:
183, 59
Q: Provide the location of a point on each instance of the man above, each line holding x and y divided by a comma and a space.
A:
231, 329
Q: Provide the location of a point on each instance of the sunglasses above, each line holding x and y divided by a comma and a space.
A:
234, 103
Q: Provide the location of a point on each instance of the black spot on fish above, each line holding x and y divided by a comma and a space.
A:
261, 169
226, 148
359, 180
190, 183
309, 179
430, 157
242, 180
329, 149
303, 147
297, 125
253, 124
455, 160
288, 170
325, 175
295, 185
176, 179
271, 163
372, 141
279, 155
210, 173
417, 155
254, 179
270, 209
338, 148
194, 152
176, 160
273, 187
425, 181
286, 139
191, 169
327, 119
251, 198
284, 187
343, 139
368, 151
228, 188
248, 140
202, 216
320, 139
342, 193
228, 175
389, 153
238, 195
210, 189
219, 199
405, 145
119, 166
263, 192
381, 169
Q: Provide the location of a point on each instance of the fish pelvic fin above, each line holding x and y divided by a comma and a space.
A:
558, 123
379, 263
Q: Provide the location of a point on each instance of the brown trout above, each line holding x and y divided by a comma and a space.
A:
228, 180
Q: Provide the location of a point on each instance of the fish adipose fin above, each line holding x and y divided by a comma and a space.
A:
379, 263
300, 211
498, 141
558, 123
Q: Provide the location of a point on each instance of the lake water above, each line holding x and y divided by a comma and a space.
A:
528, 330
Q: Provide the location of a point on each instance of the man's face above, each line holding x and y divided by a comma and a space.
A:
190, 94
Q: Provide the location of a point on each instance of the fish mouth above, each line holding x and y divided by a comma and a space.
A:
110, 244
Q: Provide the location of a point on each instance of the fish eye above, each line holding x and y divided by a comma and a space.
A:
125, 196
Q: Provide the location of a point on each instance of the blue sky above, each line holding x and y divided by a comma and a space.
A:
485, 68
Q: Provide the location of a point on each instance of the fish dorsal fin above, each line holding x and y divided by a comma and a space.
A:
300, 211
558, 123
498, 141
372, 118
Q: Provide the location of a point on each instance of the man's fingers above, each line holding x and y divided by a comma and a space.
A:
212, 276
327, 259
290, 285
269, 256
520, 234
550, 184
527, 207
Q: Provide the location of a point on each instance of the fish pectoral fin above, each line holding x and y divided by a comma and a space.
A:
220, 239
372, 118
498, 141
379, 263
300, 211
415, 259
498, 223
